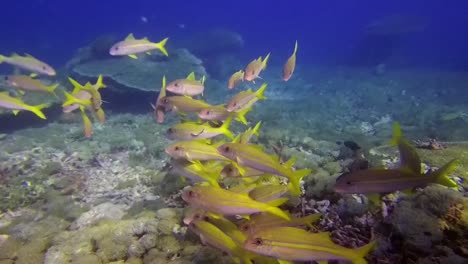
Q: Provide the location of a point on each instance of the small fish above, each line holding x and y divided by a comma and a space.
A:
226, 202
87, 126
231, 170
245, 99
159, 109
183, 104
295, 244
131, 46
96, 99
253, 156
26, 83
219, 113
16, 105
194, 150
28, 63
253, 69
188, 86
211, 235
198, 172
290, 65
372, 181
193, 130
261, 221
235, 78
79, 93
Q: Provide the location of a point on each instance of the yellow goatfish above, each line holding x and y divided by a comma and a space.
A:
188, 86
131, 46
235, 78
262, 221
158, 107
15, 104
253, 156
290, 65
211, 235
28, 63
194, 150
87, 126
183, 104
253, 69
226, 202
231, 170
193, 130
196, 171
296, 244
219, 113
26, 83
245, 99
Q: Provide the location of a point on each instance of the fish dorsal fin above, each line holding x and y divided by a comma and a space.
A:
408, 170
130, 37
146, 38
290, 162
29, 55
203, 79
163, 86
295, 48
191, 76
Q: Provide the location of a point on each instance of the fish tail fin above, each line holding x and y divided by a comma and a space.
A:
260, 92
264, 62
2, 59
76, 85
308, 220
100, 115
225, 128
37, 109
160, 45
87, 126
295, 48
51, 88
99, 83
256, 128
441, 175
397, 135
240, 116
278, 212
362, 252
278, 202
295, 180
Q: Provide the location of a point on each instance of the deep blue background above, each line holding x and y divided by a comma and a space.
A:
326, 29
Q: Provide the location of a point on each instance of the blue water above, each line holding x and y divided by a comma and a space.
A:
327, 30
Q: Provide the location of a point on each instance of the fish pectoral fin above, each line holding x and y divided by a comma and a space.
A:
33, 75
374, 198
238, 167
21, 92
197, 134
15, 112
148, 53
133, 56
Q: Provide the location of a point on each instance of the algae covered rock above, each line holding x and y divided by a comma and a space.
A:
143, 74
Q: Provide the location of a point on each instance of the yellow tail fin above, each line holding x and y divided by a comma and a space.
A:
264, 62
72, 100
99, 84
295, 180
441, 175
37, 110
160, 45
295, 48
76, 85
362, 252
225, 128
260, 92
396, 134
278, 212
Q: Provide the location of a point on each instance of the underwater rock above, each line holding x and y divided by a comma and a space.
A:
98, 49
99, 212
143, 74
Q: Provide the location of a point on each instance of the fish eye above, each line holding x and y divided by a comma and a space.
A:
116, 48
234, 104
176, 148
258, 241
170, 130
208, 112
191, 193
227, 149
44, 67
196, 216
348, 183
253, 72
244, 228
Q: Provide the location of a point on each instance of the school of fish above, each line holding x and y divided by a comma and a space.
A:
249, 220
